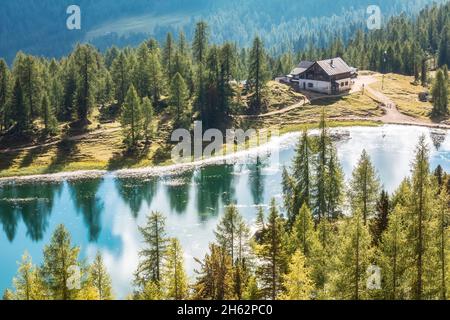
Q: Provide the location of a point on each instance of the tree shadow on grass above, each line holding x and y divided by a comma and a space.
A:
7, 159
66, 152
32, 155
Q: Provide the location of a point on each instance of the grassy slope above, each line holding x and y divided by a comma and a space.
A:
400, 90
103, 149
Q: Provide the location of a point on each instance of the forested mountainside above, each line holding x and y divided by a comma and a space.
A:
39, 27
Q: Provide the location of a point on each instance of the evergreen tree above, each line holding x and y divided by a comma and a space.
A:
381, 219
272, 255
353, 254
302, 173
392, 256
120, 72
147, 112
297, 282
8, 295
20, 113
179, 98
131, 119
141, 72
320, 206
443, 235
168, 55
215, 277
157, 83
200, 42
258, 74
151, 266
99, 279
87, 65
60, 259
174, 277
50, 122
4, 94
303, 235
440, 94
28, 283
364, 187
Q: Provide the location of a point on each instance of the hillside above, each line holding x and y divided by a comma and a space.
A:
38, 27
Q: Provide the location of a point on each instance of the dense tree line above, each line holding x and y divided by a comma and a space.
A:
304, 254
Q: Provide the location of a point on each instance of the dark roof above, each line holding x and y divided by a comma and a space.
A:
334, 66
302, 67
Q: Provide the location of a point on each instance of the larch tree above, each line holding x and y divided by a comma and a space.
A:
151, 264
148, 117
157, 82
87, 63
353, 254
5, 79
303, 234
131, 118
120, 72
297, 282
141, 71
443, 235
200, 42
381, 218
60, 266
20, 112
364, 188
215, 277
392, 256
175, 280
168, 54
334, 185
421, 206
320, 166
100, 279
258, 74
440, 94
48, 116
179, 98
272, 255
28, 283
302, 175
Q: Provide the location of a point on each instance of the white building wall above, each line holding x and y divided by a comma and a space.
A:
315, 85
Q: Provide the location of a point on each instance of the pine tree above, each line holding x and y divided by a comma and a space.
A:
147, 112
200, 42
175, 281
150, 267
302, 173
120, 72
4, 94
297, 282
141, 72
320, 205
392, 256
87, 65
419, 220
20, 113
381, 219
258, 74
179, 98
50, 122
99, 279
364, 187
272, 255
353, 254
288, 186
440, 94
60, 257
443, 235
157, 83
303, 235
334, 184
27, 71
28, 283
131, 119
168, 55
8, 295
215, 277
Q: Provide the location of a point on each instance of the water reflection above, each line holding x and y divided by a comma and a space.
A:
104, 214
135, 191
178, 190
214, 187
31, 202
88, 204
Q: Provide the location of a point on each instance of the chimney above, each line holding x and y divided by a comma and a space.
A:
331, 62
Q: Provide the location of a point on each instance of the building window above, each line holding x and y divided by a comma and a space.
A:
346, 83
310, 85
